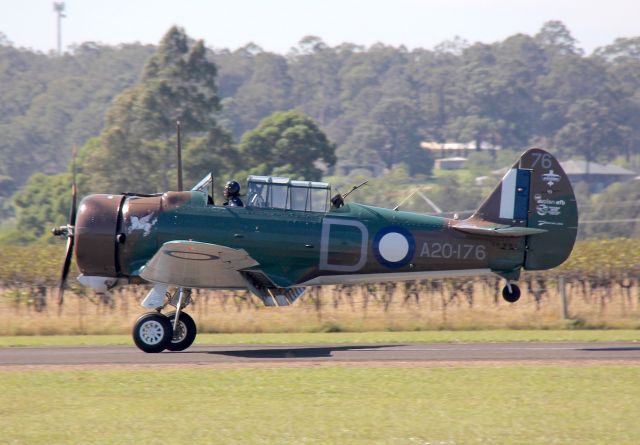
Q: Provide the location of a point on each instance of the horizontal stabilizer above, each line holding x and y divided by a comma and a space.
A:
498, 230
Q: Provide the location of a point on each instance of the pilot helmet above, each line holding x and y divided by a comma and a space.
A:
232, 188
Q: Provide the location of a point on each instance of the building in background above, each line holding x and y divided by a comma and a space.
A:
597, 176
454, 163
455, 149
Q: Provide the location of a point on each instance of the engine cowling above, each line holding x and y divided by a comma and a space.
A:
117, 234
95, 232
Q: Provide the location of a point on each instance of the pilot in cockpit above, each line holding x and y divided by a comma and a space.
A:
232, 194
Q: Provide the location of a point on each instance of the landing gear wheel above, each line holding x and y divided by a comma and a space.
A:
512, 295
185, 333
152, 332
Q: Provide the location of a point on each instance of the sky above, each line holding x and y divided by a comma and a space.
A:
278, 25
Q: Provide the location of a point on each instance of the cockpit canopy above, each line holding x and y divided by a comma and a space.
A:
282, 193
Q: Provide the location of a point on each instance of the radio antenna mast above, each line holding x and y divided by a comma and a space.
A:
58, 8
179, 150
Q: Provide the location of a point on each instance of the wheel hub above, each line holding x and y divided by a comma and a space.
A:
180, 332
151, 332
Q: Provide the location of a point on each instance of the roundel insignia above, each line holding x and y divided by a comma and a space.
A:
394, 246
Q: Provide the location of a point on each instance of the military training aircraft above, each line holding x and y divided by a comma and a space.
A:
292, 234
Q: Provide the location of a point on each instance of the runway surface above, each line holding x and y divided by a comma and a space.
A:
389, 354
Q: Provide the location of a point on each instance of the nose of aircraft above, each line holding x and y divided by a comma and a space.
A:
115, 234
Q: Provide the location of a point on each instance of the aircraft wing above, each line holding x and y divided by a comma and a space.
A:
198, 265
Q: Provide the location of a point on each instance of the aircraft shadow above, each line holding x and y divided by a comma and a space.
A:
297, 352
613, 349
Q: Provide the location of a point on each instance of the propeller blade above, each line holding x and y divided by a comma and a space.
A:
72, 212
74, 190
65, 268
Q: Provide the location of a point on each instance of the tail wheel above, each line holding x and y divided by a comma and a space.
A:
511, 295
152, 332
185, 332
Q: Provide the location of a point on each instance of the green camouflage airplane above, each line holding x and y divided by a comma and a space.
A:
291, 235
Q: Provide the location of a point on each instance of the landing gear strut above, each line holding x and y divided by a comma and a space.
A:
511, 293
184, 334
154, 332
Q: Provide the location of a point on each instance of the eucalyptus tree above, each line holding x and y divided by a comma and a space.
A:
136, 150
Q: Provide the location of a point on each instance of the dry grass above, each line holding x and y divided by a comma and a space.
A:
449, 304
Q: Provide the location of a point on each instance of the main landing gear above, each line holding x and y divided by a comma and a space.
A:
154, 332
511, 293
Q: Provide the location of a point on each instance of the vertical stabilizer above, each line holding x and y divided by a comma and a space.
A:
536, 193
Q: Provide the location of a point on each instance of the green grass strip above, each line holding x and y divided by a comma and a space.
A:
346, 337
502, 405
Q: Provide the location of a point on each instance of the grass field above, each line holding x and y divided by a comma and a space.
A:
344, 337
489, 405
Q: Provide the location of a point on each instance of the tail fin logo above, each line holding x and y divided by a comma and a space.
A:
550, 178
544, 209
550, 223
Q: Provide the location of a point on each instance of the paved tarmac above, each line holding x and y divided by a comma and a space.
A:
327, 354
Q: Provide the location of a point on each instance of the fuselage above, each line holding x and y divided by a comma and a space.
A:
117, 235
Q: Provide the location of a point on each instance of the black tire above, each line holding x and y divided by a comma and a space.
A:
513, 296
186, 332
152, 332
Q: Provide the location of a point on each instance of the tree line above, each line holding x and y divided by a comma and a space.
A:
119, 105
